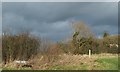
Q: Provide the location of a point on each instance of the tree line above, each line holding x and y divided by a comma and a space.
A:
23, 46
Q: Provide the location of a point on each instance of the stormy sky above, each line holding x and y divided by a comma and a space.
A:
0, 18
52, 19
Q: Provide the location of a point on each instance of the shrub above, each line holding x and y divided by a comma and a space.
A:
21, 46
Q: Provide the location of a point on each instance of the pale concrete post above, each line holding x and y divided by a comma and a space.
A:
89, 53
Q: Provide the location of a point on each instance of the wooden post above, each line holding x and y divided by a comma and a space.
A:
89, 53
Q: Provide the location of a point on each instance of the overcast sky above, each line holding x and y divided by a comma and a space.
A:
0, 18
59, 0
52, 20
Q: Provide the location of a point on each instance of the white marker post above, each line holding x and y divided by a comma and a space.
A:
89, 53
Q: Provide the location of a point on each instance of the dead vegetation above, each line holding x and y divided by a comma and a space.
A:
43, 62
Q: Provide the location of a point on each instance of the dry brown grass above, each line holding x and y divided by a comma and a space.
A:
44, 62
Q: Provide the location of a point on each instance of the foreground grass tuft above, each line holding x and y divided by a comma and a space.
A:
107, 63
69, 67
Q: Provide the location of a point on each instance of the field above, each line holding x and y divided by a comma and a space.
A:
59, 36
72, 62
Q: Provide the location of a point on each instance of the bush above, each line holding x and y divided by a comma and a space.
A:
82, 45
20, 47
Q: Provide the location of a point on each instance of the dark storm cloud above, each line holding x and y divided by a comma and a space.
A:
52, 20
119, 17
49, 12
0, 18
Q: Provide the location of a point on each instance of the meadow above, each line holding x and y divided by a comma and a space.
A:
72, 62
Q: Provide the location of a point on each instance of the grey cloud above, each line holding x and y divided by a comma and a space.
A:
0, 18
53, 19
58, 11
60, 0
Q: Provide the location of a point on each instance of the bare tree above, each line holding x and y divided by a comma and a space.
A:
83, 29
82, 37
